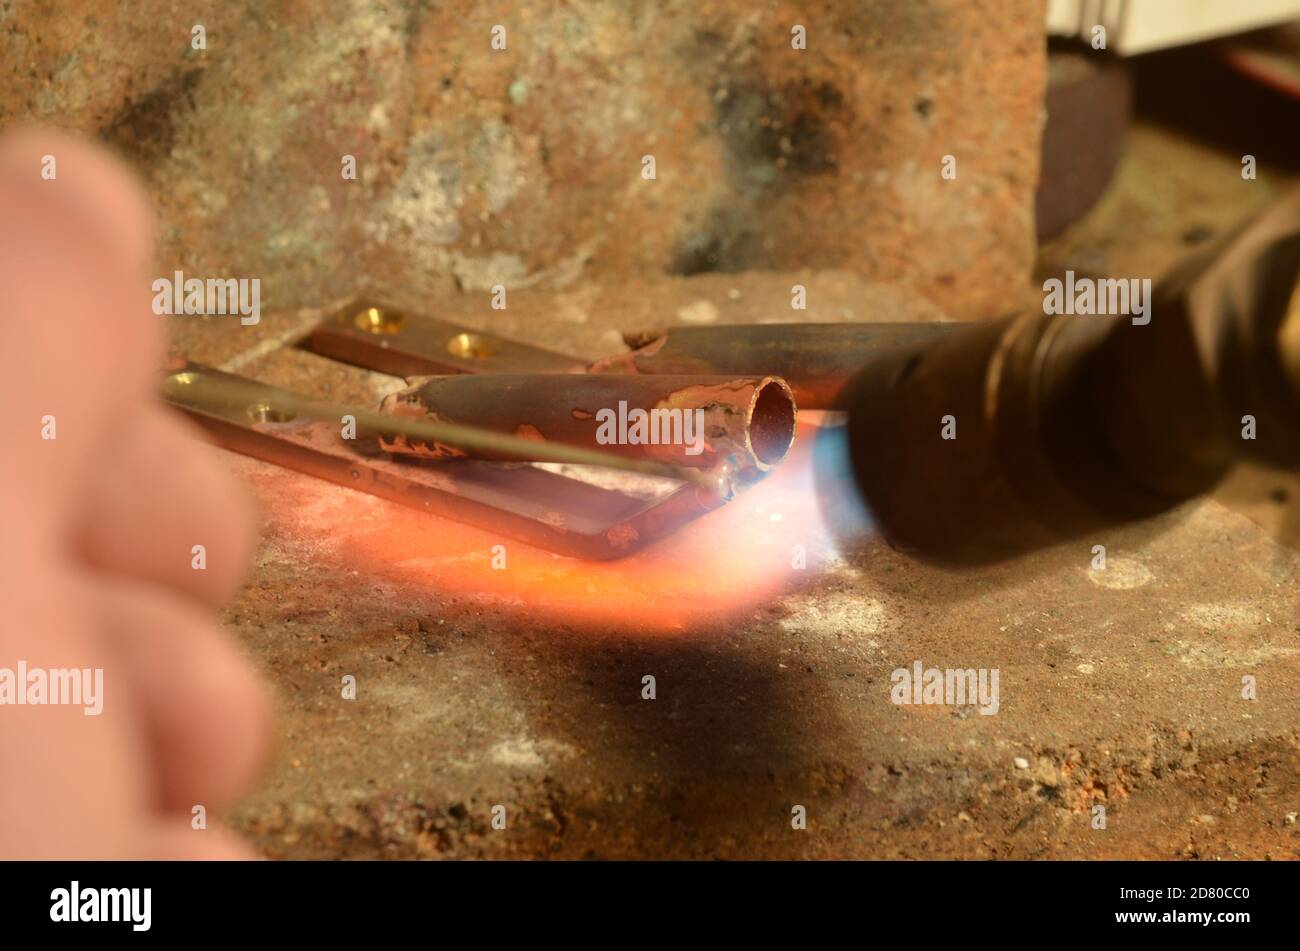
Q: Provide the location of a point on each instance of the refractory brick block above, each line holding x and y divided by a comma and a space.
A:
783, 136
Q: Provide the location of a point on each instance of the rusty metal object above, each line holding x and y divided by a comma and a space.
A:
199, 388
1270, 57
568, 512
1089, 101
1068, 424
816, 360
699, 422
551, 511
390, 340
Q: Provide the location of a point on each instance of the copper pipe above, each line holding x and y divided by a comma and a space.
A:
745, 423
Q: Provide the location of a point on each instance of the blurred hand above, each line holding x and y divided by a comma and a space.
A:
97, 528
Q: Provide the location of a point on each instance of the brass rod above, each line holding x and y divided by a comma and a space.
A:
194, 388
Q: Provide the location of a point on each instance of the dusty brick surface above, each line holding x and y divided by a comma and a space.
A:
523, 166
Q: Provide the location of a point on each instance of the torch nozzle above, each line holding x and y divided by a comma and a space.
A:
1003, 437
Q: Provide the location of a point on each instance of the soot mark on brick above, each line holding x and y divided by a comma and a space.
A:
774, 134
774, 138
145, 128
726, 241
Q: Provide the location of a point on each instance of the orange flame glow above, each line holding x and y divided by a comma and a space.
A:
728, 561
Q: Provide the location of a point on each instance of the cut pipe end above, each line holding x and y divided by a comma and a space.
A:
772, 416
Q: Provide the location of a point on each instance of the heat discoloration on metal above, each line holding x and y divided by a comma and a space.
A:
745, 423
406, 409
815, 360
622, 537
749, 426
551, 511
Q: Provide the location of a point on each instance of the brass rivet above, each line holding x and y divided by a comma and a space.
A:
471, 347
376, 320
